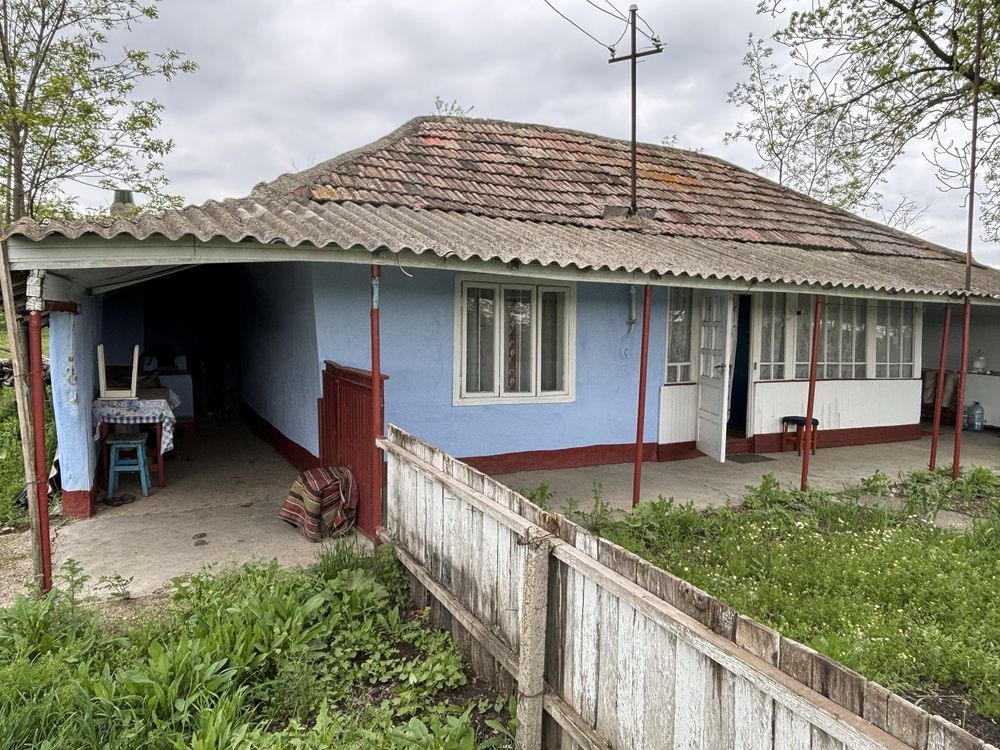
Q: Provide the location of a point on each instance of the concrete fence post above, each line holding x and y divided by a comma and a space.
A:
531, 656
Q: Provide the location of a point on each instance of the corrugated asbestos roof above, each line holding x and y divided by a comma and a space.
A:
505, 191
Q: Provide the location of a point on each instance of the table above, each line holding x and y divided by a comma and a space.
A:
150, 406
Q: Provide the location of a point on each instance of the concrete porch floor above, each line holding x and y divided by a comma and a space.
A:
220, 506
705, 482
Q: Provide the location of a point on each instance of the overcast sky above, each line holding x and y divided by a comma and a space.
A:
282, 85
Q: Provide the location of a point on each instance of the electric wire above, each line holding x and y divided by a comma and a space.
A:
651, 36
617, 14
575, 24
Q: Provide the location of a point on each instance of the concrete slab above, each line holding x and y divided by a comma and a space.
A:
706, 483
220, 505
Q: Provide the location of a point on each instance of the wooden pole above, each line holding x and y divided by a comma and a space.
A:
640, 420
377, 414
970, 222
939, 389
38, 429
956, 461
811, 401
21, 397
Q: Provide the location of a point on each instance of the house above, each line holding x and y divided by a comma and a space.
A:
510, 302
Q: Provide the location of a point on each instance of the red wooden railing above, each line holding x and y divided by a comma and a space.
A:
346, 437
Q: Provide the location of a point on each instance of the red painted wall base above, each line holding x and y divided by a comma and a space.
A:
297, 456
79, 503
596, 455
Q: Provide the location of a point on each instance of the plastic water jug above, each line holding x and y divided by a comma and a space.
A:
979, 363
977, 417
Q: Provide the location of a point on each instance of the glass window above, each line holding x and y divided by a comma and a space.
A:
553, 340
479, 339
517, 344
843, 339
522, 349
772, 337
894, 323
678, 335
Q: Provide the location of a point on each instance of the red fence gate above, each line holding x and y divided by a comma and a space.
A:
346, 436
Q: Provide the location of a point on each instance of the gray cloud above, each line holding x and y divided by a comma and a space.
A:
284, 85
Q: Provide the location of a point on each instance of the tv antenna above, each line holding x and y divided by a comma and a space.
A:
633, 57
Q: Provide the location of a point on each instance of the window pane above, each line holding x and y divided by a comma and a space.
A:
882, 333
779, 372
479, 339
553, 340
906, 334
765, 338
517, 340
679, 326
765, 372
803, 331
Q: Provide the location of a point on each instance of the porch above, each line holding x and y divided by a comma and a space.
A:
706, 482
220, 507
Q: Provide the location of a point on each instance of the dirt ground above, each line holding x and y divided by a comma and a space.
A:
15, 566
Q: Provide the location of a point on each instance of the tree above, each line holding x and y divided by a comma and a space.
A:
869, 79
442, 107
68, 110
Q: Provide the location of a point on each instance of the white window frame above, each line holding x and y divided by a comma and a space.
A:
499, 284
693, 340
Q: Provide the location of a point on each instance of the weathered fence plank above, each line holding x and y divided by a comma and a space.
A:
608, 651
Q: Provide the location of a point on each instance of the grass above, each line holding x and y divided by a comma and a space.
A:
12, 512
257, 657
886, 592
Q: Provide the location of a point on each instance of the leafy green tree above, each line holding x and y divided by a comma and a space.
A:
68, 109
869, 79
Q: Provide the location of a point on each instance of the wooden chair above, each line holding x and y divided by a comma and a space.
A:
102, 376
799, 423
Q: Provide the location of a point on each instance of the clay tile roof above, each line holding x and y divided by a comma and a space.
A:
540, 194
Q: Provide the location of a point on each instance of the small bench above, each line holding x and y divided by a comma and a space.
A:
127, 442
799, 423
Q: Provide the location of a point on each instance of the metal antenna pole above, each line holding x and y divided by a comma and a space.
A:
634, 204
633, 57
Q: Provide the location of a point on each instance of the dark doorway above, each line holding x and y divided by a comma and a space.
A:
740, 385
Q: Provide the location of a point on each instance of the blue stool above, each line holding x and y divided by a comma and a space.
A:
799, 423
123, 442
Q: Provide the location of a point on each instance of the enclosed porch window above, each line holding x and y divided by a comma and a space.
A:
858, 338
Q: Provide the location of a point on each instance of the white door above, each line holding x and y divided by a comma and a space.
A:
714, 349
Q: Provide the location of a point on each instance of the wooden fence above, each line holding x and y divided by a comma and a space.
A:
608, 651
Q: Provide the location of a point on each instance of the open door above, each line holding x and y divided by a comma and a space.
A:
714, 342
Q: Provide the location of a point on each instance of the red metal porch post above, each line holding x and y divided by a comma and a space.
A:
811, 401
939, 389
960, 396
640, 420
377, 416
41, 467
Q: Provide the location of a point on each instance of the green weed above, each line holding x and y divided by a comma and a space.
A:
900, 600
256, 657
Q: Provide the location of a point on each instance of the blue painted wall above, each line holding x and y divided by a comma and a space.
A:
417, 354
280, 372
73, 341
293, 316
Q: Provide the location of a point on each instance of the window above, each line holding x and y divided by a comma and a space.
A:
679, 335
857, 338
514, 342
772, 337
894, 339
843, 340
